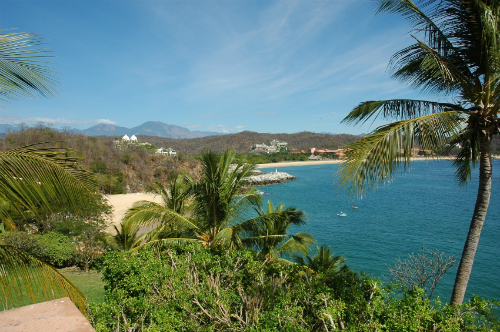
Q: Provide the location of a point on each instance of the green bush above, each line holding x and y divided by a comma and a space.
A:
53, 248
191, 288
57, 249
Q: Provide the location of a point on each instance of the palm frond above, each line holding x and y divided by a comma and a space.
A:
161, 242
374, 159
150, 213
26, 280
323, 261
437, 33
24, 73
468, 156
126, 236
423, 67
34, 177
229, 238
299, 242
396, 109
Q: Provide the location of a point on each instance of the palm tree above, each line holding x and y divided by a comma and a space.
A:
219, 217
168, 220
459, 57
268, 234
219, 200
222, 199
125, 237
33, 178
324, 261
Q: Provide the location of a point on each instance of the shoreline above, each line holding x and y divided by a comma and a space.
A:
336, 161
298, 163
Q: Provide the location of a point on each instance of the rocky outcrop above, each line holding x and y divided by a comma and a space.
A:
269, 178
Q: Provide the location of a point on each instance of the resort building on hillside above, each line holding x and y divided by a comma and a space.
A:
126, 141
273, 147
168, 152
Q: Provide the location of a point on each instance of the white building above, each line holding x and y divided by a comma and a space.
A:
133, 139
126, 138
168, 152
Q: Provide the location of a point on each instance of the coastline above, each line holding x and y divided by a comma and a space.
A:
326, 162
298, 163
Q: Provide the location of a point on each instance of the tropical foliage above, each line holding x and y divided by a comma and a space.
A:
458, 57
269, 234
40, 179
23, 70
323, 261
192, 288
214, 211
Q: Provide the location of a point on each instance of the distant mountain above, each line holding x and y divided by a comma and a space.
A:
7, 127
150, 128
105, 129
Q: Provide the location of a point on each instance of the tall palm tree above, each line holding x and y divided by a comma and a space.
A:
269, 234
219, 201
33, 178
458, 57
222, 199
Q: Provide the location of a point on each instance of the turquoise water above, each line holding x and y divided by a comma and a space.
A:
422, 208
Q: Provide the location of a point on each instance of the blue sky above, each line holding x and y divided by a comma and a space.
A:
227, 66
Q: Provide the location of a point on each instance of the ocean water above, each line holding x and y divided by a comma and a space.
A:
424, 207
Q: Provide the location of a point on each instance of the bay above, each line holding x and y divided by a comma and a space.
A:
424, 207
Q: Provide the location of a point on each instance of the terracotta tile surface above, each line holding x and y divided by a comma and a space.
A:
59, 315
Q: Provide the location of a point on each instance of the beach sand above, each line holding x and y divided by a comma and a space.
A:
121, 203
299, 163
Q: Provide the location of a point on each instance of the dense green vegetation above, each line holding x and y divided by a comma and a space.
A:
218, 210
195, 288
256, 158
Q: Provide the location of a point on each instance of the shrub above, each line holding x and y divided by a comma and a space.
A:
191, 288
53, 248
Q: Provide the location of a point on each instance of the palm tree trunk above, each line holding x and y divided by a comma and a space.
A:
482, 202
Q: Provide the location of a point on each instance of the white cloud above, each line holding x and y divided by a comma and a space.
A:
16, 120
224, 130
105, 121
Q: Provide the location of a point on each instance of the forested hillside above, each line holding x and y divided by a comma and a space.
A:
118, 170
243, 141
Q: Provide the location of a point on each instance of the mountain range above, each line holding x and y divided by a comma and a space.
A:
150, 128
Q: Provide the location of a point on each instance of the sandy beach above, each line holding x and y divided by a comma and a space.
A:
121, 203
299, 163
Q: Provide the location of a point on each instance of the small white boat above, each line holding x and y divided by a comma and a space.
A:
342, 214
259, 192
